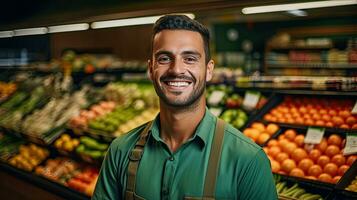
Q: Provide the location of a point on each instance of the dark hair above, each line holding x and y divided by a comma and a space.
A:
182, 22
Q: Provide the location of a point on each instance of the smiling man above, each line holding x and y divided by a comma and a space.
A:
185, 152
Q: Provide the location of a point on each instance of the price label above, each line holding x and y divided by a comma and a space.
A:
354, 110
251, 99
216, 97
314, 135
351, 144
216, 111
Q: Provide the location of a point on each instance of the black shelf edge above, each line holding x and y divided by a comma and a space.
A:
44, 183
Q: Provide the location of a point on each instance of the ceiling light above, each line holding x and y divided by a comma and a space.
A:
296, 6
298, 13
6, 34
68, 28
130, 21
31, 31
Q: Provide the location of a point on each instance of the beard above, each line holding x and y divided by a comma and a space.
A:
191, 100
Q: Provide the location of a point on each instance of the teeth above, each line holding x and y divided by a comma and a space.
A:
178, 84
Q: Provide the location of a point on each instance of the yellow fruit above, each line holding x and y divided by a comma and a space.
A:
272, 128
65, 137
259, 126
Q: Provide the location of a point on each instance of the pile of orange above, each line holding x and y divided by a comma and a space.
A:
260, 133
324, 162
314, 111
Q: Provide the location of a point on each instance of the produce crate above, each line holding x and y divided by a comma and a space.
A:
310, 181
341, 193
277, 99
325, 191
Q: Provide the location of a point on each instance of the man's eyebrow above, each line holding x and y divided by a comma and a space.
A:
162, 52
196, 53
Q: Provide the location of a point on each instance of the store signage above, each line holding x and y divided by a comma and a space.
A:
354, 109
351, 144
314, 135
251, 99
215, 97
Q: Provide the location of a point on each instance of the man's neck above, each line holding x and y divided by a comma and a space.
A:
178, 125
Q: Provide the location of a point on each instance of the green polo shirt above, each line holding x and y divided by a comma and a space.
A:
244, 169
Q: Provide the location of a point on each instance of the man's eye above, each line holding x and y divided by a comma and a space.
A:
191, 59
164, 59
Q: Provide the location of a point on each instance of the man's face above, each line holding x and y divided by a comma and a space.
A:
178, 68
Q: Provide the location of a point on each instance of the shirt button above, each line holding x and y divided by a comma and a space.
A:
172, 158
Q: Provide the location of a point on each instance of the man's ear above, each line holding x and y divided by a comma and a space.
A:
209, 72
149, 70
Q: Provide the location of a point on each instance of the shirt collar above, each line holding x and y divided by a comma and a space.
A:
202, 133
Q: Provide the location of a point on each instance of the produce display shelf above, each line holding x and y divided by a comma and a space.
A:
309, 65
44, 183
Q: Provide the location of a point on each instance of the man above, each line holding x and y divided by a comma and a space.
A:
179, 155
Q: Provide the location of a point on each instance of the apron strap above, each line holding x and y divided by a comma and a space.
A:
213, 162
134, 160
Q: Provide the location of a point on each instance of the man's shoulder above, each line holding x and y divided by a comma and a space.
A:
126, 141
235, 139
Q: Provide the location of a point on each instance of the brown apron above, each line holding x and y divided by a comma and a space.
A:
212, 170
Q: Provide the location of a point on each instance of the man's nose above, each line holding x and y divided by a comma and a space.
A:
177, 67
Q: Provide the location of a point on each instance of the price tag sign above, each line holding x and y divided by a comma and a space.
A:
215, 97
354, 109
314, 135
351, 144
251, 99
216, 111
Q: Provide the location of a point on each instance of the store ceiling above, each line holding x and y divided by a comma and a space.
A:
26, 14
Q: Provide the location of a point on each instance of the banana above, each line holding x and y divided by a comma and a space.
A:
290, 189
312, 197
298, 193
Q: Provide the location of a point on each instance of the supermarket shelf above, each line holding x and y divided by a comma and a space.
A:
335, 66
304, 47
48, 185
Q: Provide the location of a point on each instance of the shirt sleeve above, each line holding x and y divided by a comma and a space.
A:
108, 185
258, 182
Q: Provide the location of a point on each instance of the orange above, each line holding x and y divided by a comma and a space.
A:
326, 117
282, 136
336, 179
263, 137
297, 172
290, 147
314, 154
302, 109
345, 126
351, 120
309, 122
272, 128
299, 140
281, 157
325, 178
273, 142
273, 151
354, 126
315, 170
334, 139
299, 120
311, 177
338, 159
337, 120
331, 168
351, 159
316, 116
344, 113
266, 150
275, 166
323, 111
298, 154
329, 124
259, 126
282, 143
290, 134
342, 170
332, 113
319, 123
322, 145
323, 160
305, 164
332, 150
281, 172
268, 117
288, 165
